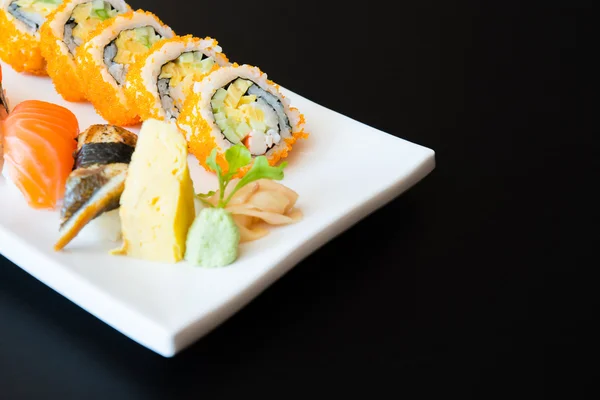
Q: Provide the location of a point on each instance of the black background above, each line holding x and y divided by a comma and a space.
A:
470, 284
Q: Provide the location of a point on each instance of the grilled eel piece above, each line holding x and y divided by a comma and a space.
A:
98, 179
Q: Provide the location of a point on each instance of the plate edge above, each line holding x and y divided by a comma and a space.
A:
188, 335
134, 325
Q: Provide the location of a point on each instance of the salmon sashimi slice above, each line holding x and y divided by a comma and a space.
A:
47, 165
49, 115
40, 142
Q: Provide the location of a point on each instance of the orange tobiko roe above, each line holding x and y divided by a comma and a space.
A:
60, 64
19, 49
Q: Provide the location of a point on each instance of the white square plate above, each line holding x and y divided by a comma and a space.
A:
343, 172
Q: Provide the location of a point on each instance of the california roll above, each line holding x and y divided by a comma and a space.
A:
238, 104
104, 60
67, 28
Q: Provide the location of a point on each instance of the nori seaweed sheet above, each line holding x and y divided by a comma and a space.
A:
102, 154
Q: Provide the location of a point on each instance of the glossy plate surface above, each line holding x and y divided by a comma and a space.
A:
343, 172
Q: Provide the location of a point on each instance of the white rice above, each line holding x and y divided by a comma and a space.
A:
107, 226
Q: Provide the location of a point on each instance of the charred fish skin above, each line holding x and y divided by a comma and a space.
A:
83, 184
96, 199
103, 133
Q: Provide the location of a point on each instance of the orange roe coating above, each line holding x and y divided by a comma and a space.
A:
201, 143
60, 63
19, 49
108, 98
141, 99
60, 66
102, 94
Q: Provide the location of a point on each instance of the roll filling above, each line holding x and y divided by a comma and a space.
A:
246, 113
177, 78
84, 18
121, 52
32, 13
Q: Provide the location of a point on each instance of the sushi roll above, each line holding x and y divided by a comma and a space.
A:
104, 60
159, 82
20, 21
98, 179
238, 104
67, 28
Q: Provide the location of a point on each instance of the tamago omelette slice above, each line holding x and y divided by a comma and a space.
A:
157, 204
